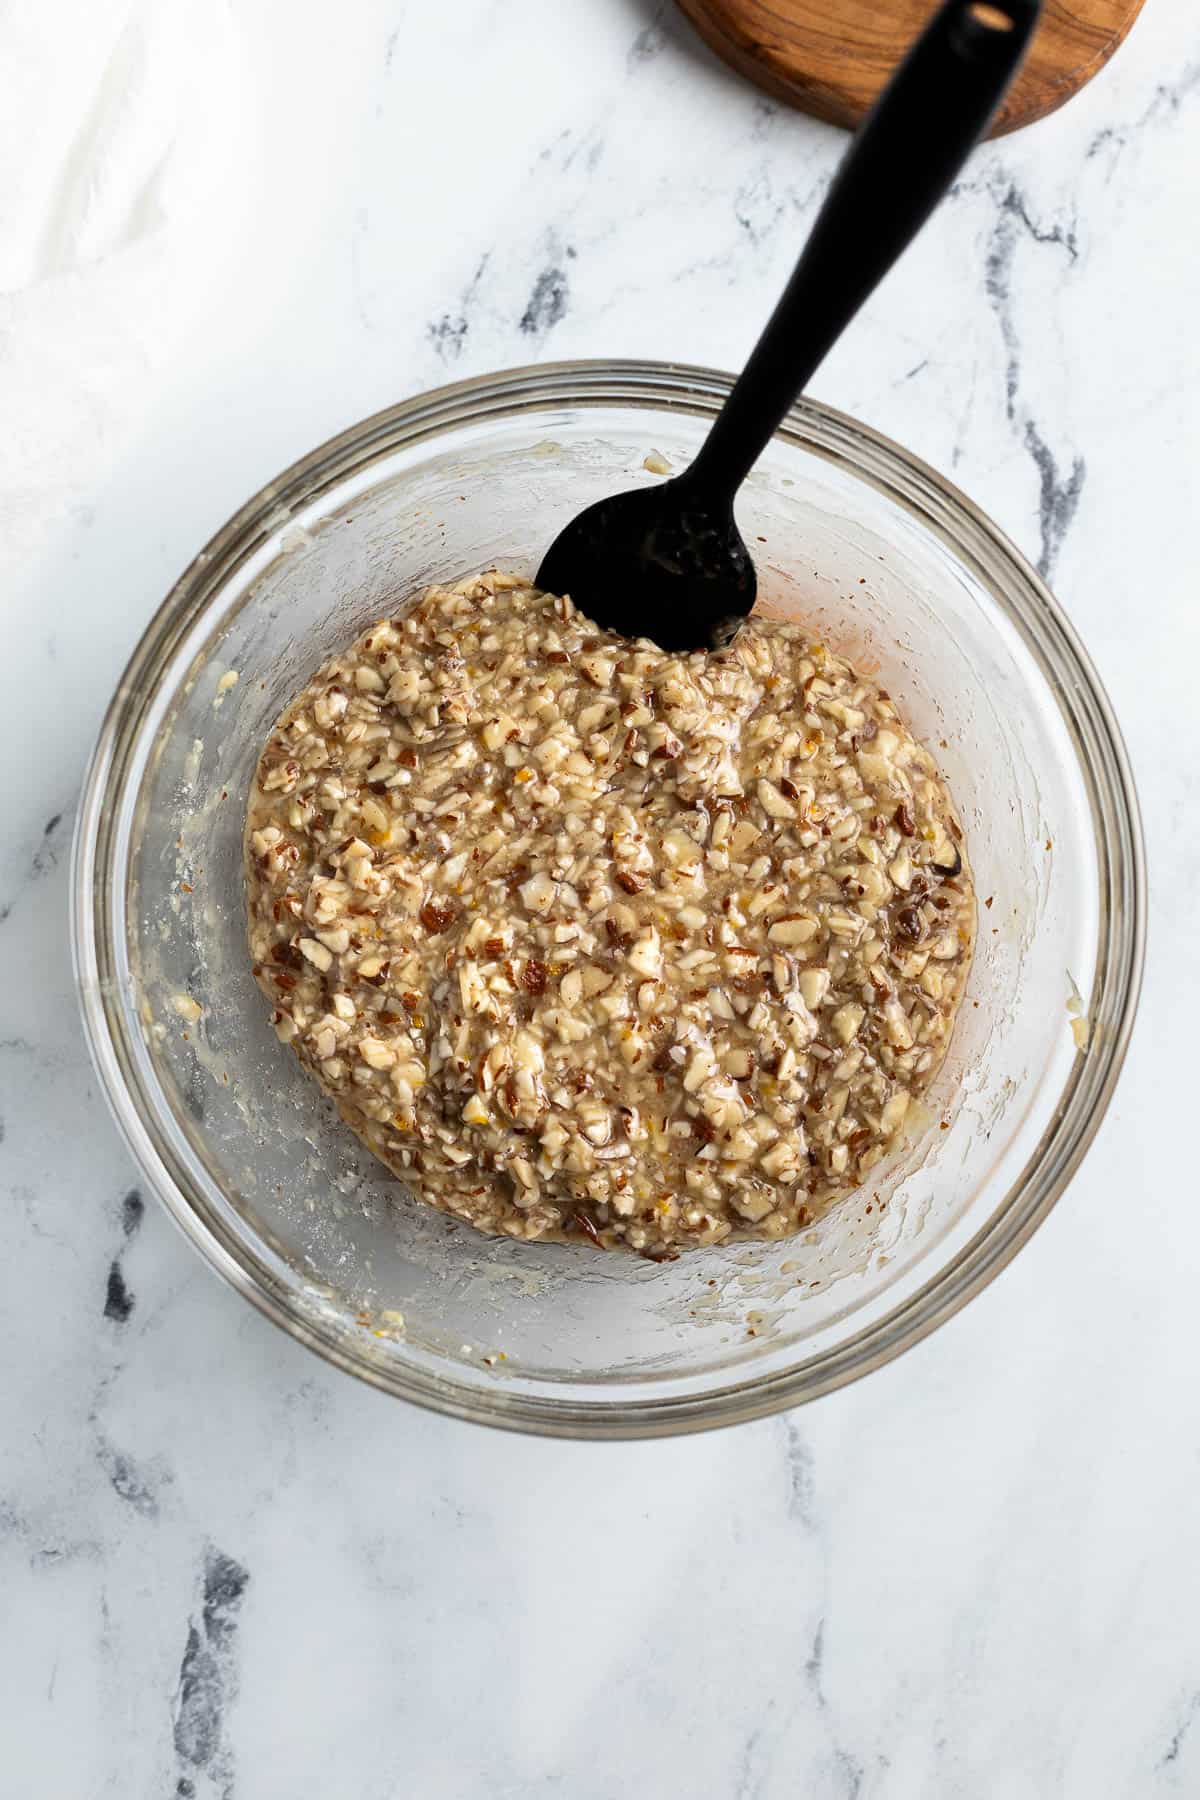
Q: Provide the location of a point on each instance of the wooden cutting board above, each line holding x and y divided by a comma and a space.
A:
831, 57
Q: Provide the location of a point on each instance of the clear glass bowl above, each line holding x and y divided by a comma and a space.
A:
890, 564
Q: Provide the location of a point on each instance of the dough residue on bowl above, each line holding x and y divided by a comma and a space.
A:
589, 940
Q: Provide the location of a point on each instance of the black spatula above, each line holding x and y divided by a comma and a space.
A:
668, 563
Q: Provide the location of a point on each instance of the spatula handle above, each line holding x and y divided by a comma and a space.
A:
903, 158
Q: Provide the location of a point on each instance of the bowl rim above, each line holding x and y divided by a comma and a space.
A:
1091, 724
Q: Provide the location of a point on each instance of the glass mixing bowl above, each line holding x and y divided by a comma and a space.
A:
887, 562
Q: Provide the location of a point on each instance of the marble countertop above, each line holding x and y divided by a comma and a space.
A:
227, 1571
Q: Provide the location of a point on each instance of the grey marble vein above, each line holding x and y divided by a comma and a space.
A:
208, 1677
118, 1301
799, 1464
650, 41
548, 299
1059, 490
448, 334
1187, 1716
846, 1769
37, 861
137, 1485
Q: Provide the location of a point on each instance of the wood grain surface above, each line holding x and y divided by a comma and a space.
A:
831, 57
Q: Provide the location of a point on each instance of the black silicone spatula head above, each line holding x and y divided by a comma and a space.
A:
668, 562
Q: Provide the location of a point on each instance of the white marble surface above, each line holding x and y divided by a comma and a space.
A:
227, 1571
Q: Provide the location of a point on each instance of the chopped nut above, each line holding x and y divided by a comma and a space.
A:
773, 802
901, 870
892, 1116
436, 915
780, 1160
681, 850
533, 976
754, 1204
814, 985
646, 955
329, 707
846, 1021
538, 893
792, 929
